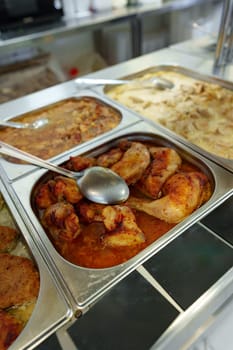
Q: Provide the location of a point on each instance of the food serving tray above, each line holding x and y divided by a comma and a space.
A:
202, 108
56, 142
88, 284
52, 309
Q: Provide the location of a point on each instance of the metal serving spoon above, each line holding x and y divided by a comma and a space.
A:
98, 184
154, 82
39, 123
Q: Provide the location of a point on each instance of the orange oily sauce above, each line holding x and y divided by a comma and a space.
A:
87, 249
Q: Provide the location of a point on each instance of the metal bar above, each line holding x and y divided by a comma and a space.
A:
65, 340
230, 41
144, 273
224, 42
136, 36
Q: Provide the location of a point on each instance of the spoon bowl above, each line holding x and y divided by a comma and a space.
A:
162, 83
106, 188
98, 184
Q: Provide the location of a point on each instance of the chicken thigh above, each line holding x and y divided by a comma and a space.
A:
119, 221
183, 193
61, 221
109, 158
79, 163
133, 163
66, 189
121, 224
165, 162
59, 189
90, 212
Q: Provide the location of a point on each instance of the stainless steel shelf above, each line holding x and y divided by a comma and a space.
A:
133, 14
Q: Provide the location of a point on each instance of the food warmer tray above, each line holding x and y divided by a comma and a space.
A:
227, 163
52, 309
87, 285
14, 171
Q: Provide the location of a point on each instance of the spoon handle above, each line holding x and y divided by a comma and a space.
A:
154, 82
96, 82
19, 125
17, 153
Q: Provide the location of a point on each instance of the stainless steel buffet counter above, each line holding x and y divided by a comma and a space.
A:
177, 287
